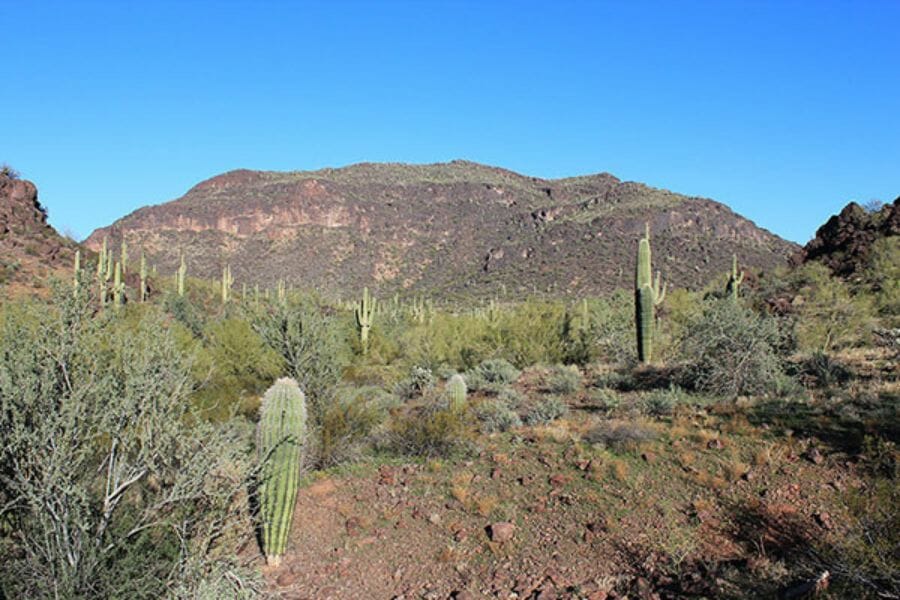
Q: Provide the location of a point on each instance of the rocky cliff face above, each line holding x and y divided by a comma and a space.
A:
30, 249
844, 241
456, 228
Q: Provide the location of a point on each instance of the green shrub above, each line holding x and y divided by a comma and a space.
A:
492, 375
420, 379
496, 415
620, 435
311, 343
545, 409
348, 424
113, 486
663, 402
431, 431
562, 379
729, 350
605, 399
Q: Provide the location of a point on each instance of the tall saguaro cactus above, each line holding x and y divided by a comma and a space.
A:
77, 272
143, 274
118, 288
104, 271
227, 282
280, 440
180, 275
364, 315
734, 279
647, 296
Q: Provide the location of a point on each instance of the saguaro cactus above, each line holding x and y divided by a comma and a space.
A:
77, 272
456, 389
118, 288
227, 282
143, 274
104, 272
647, 296
734, 279
180, 275
280, 438
364, 315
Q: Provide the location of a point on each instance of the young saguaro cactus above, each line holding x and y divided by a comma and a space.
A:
456, 389
647, 296
280, 438
364, 315
734, 279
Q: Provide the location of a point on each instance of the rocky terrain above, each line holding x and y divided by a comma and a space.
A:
843, 243
451, 229
30, 249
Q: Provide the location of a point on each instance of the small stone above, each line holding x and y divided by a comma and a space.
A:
285, 579
461, 595
434, 518
495, 473
353, 526
501, 532
824, 520
715, 444
558, 480
649, 457
814, 456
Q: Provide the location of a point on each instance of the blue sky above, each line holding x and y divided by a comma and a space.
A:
784, 110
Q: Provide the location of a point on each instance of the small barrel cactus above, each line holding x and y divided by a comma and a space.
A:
281, 435
456, 389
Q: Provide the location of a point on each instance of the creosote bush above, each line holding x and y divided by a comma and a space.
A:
492, 375
496, 415
730, 351
562, 379
544, 410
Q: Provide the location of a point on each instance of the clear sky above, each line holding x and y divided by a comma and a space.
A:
784, 110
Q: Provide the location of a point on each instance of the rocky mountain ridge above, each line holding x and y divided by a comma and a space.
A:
457, 228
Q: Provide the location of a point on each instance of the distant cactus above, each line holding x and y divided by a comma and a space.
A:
647, 296
364, 314
118, 288
734, 279
124, 256
104, 272
281, 291
280, 440
227, 282
180, 276
77, 272
456, 389
143, 274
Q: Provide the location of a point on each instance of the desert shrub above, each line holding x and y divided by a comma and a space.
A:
663, 402
620, 435
562, 379
729, 350
823, 370
491, 375
829, 316
181, 309
458, 341
605, 399
310, 343
112, 484
8, 171
420, 379
613, 327
623, 381
496, 415
511, 397
348, 423
543, 410
532, 332
883, 276
431, 431
234, 366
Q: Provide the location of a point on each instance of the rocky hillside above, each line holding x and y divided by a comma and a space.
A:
843, 243
456, 228
30, 249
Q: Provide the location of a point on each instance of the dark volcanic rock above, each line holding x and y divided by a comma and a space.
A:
448, 229
844, 241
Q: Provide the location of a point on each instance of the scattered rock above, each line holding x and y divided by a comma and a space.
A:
715, 444
501, 531
287, 578
824, 520
558, 480
649, 457
814, 456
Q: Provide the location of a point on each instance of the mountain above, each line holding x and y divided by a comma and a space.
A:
457, 228
30, 249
